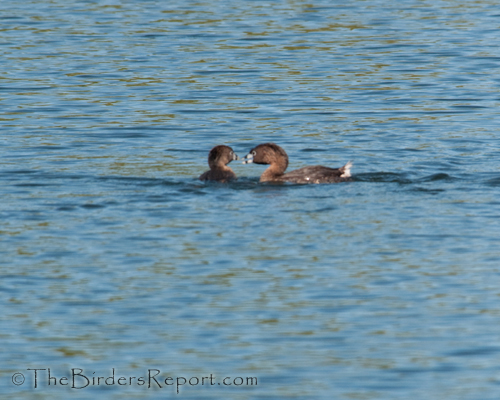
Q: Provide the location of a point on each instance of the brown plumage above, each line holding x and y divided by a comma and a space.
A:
218, 158
276, 157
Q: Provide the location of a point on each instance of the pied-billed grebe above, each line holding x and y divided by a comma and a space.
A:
218, 158
270, 153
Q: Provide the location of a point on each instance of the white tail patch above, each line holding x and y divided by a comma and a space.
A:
347, 170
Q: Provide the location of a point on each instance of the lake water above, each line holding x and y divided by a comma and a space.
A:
116, 261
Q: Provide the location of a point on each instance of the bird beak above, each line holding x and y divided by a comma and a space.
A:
235, 157
248, 159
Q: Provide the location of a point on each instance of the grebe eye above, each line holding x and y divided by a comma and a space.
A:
254, 153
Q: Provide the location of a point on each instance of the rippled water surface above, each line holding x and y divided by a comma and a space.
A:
114, 256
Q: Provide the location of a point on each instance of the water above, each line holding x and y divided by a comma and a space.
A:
114, 256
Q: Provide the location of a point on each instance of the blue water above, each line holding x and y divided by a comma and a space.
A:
113, 256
